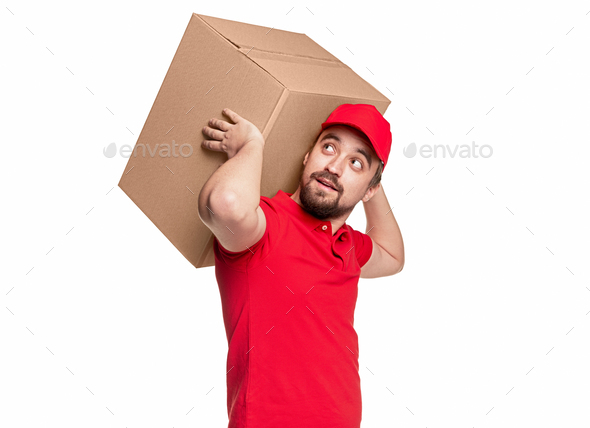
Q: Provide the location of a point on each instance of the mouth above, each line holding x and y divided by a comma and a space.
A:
325, 184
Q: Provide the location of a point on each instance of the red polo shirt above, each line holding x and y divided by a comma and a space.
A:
288, 308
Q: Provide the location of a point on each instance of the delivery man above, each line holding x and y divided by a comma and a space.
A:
288, 267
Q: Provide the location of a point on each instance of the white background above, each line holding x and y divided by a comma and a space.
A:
488, 325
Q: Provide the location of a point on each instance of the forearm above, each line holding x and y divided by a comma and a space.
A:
237, 180
382, 226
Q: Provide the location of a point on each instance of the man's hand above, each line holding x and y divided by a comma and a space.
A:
230, 137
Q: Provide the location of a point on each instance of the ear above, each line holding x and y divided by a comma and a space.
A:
370, 192
305, 158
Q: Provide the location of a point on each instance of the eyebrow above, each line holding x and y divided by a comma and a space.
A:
358, 149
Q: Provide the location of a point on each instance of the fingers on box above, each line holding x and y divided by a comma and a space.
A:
231, 114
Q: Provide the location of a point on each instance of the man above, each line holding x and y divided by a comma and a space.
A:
287, 268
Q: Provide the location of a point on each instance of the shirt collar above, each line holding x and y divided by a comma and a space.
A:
310, 222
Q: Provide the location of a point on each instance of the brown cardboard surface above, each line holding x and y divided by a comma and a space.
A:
282, 82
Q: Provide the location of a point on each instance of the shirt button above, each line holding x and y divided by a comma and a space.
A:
324, 227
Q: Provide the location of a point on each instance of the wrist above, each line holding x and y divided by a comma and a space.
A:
257, 140
255, 143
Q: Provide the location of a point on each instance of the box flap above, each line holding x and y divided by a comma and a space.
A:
315, 76
247, 36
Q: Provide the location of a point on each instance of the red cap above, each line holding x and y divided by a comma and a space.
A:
367, 119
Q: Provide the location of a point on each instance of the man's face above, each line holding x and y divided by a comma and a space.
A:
345, 158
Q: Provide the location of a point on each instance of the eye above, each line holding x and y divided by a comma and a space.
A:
354, 160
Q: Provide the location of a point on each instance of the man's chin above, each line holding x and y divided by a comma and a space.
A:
322, 195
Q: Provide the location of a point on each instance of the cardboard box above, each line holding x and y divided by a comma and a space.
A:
282, 82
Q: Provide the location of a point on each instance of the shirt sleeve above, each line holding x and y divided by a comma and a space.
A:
241, 260
363, 246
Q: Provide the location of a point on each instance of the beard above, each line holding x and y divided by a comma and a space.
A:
319, 202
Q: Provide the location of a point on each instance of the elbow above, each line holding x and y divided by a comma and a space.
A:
401, 267
401, 259
398, 265
220, 206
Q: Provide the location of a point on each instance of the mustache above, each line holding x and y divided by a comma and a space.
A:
327, 177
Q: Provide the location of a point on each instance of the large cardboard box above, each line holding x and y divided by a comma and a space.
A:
282, 82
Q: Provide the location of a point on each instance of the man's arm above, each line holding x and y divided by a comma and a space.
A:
229, 201
387, 257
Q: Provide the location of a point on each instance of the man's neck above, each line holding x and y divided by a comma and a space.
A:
336, 223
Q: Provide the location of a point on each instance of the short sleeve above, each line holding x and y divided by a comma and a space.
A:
363, 246
240, 260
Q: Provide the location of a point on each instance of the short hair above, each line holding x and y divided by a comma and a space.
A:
377, 177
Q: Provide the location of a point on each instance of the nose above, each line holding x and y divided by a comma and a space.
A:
335, 167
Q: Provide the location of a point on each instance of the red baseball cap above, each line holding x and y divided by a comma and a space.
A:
367, 119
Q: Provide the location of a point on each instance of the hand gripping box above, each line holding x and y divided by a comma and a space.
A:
282, 82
